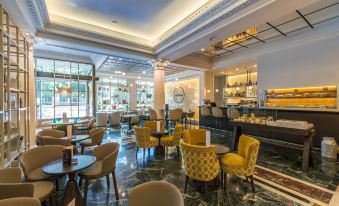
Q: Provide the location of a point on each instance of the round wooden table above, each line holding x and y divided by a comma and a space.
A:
159, 134
221, 149
72, 190
77, 138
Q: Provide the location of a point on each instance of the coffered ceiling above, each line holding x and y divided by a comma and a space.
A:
147, 19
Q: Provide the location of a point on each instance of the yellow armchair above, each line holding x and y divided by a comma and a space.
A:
243, 163
144, 140
200, 163
153, 125
195, 136
173, 141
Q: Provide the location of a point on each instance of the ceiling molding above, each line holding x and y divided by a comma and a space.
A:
38, 13
206, 22
75, 33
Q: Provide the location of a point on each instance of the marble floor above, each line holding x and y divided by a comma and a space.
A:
278, 178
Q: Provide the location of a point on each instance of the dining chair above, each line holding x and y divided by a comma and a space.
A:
96, 135
52, 133
173, 140
144, 140
153, 125
54, 141
243, 163
153, 116
33, 160
195, 136
11, 186
175, 116
106, 156
155, 193
200, 163
85, 127
20, 201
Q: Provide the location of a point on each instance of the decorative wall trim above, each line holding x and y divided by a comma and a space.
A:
58, 29
185, 35
38, 13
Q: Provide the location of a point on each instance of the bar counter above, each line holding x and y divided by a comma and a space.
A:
326, 123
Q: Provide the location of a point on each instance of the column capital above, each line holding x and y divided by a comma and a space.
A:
159, 63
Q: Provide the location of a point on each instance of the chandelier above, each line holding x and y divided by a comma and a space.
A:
64, 90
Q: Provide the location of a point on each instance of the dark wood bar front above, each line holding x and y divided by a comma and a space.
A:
325, 124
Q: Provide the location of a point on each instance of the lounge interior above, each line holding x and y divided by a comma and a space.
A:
169, 103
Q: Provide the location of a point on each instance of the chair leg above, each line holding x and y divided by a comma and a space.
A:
80, 183
186, 183
178, 152
82, 149
136, 153
205, 190
149, 152
115, 185
252, 181
225, 181
85, 192
107, 180
51, 200
144, 154
246, 178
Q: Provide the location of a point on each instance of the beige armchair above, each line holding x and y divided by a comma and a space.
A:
106, 156
11, 186
54, 141
152, 114
34, 159
175, 116
51, 133
20, 201
96, 135
155, 193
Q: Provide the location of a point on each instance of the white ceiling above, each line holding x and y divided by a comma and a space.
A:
146, 19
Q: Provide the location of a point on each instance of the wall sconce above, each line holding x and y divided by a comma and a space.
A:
208, 91
217, 90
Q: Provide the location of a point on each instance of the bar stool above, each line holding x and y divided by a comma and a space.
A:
206, 113
218, 115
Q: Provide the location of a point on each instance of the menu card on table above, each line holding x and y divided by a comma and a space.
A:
67, 155
208, 138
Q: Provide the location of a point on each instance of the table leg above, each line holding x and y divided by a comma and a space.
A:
236, 135
72, 191
307, 153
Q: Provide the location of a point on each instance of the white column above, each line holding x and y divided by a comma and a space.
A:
159, 87
132, 102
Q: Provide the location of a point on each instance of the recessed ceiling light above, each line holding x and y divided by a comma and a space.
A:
222, 72
123, 73
139, 77
144, 72
120, 59
114, 21
236, 69
255, 65
176, 79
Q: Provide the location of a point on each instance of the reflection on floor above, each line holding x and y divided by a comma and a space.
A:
279, 180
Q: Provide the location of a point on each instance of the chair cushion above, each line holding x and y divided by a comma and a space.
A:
154, 141
38, 175
86, 143
233, 160
42, 190
167, 141
93, 171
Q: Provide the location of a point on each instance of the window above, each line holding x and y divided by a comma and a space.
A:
145, 91
54, 74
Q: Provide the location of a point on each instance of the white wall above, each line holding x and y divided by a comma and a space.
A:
314, 64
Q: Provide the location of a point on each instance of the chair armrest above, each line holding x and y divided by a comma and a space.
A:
12, 190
